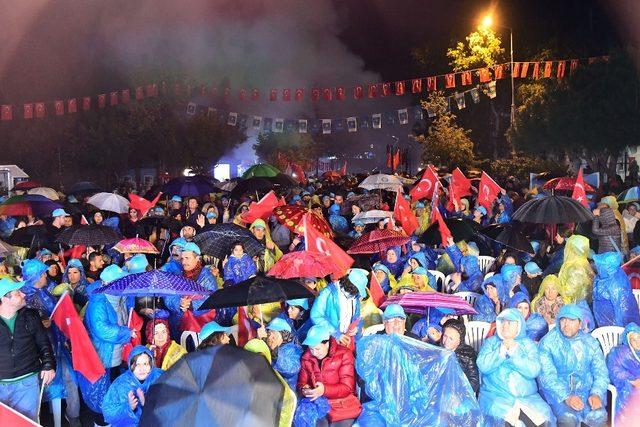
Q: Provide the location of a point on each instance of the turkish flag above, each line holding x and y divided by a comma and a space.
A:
28, 111
416, 85
72, 105
191, 322
13, 418
488, 191
317, 242
578, 191
499, 71
135, 323
388, 156
403, 213
255, 94
126, 96
262, 209
286, 94
242, 95
445, 233
102, 100
449, 80
340, 96
461, 183
113, 98
426, 185
357, 92
466, 78
6, 112
375, 289
315, 94
327, 94
86, 103
400, 88
372, 90
246, 331
432, 83
141, 204
485, 75
58, 107
396, 160
40, 110
386, 89
299, 95
84, 356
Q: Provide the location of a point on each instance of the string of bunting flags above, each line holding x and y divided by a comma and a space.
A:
327, 126
453, 80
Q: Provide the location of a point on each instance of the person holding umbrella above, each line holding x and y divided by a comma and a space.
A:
285, 351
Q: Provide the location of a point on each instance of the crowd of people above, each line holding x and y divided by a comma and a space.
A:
539, 364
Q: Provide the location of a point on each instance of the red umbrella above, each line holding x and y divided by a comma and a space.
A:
303, 264
378, 241
418, 302
332, 176
135, 245
291, 217
566, 183
26, 185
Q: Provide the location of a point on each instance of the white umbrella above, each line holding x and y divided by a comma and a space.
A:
381, 182
47, 192
372, 216
109, 202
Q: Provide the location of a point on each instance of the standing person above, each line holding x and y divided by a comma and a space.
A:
574, 375
96, 264
75, 277
26, 355
607, 230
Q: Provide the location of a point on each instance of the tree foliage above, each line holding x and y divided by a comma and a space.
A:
445, 143
280, 148
483, 48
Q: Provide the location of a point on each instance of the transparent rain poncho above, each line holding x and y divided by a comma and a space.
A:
576, 274
412, 383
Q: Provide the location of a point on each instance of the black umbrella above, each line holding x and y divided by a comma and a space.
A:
189, 186
552, 210
256, 290
88, 235
219, 241
84, 187
283, 181
508, 235
219, 386
34, 235
461, 229
251, 185
151, 222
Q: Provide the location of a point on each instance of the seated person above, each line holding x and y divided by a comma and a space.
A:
494, 300
285, 352
395, 321
574, 376
536, 325
548, 302
509, 364
624, 370
453, 333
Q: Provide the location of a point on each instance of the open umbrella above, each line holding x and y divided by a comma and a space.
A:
372, 216
377, 241
153, 283
264, 170
151, 222
189, 186
461, 229
228, 185
291, 217
219, 241
419, 302
218, 386
552, 210
252, 185
88, 235
629, 195
381, 182
26, 185
135, 245
47, 192
509, 235
283, 181
84, 187
28, 204
565, 183
109, 202
35, 236
367, 202
303, 264
256, 290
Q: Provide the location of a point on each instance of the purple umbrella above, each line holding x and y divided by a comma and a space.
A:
153, 283
189, 186
419, 302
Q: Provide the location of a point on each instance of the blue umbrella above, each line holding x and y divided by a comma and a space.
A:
629, 195
190, 186
153, 283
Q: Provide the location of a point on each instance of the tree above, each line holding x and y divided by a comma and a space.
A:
445, 143
280, 148
592, 114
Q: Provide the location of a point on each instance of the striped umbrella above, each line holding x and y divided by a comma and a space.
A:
28, 204
419, 302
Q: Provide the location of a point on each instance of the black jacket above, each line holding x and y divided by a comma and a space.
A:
467, 359
28, 349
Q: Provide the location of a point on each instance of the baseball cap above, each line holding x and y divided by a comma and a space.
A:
8, 285
299, 302
59, 212
393, 311
532, 268
210, 328
316, 335
176, 199
358, 277
279, 324
191, 247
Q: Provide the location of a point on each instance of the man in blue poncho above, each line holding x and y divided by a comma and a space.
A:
494, 300
338, 223
574, 376
613, 300
624, 369
509, 365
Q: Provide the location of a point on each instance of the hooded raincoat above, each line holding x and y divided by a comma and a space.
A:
326, 310
613, 300
624, 366
548, 308
573, 366
576, 275
470, 266
484, 305
80, 297
389, 282
512, 274
115, 406
270, 256
537, 327
396, 268
509, 376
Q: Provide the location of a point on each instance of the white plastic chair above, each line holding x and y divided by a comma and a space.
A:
194, 337
471, 298
489, 274
609, 337
233, 331
636, 294
476, 333
373, 329
486, 263
447, 282
439, 279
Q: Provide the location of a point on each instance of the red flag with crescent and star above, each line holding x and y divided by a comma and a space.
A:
578, 190
488, 191
317, 242
426, 185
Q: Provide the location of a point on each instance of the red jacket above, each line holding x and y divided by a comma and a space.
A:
336, 372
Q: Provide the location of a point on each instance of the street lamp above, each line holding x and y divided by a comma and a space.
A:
487, 22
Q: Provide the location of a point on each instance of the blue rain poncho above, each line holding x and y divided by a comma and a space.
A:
484, 306
573, 366
115, 406
396, 268
287, 364
80, 297
537, 327
505, 216
508, 378
470, 266
613, 300
624, 366
512, 276
412, 383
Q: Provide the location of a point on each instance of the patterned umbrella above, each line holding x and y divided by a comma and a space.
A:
381, 182
419, 302
28, 204
372, 216
153, 283
88, 235
189, 186
26, 185
47, 192
291, 217
566, 183
264, 170
109, 202
256, 290
218, 241
303, 264
135, 245
552, 210
377, 241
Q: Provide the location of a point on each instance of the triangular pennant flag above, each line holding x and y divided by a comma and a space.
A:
403, 213
488, 191
579, 193
424, 188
